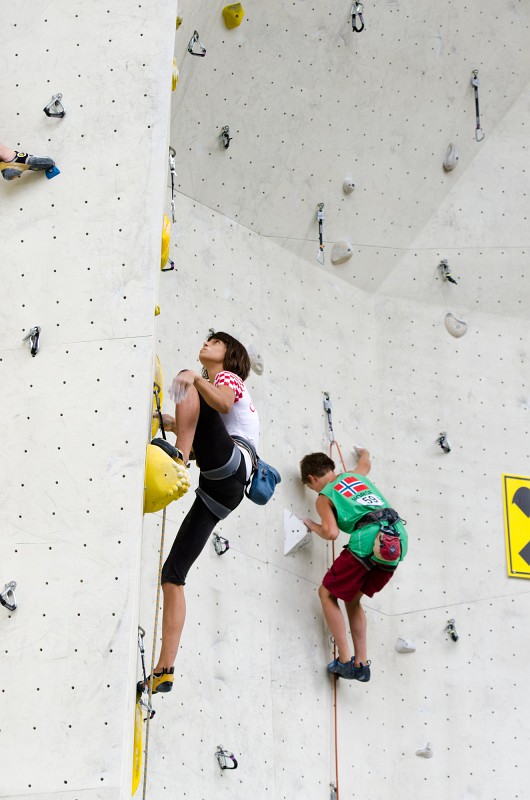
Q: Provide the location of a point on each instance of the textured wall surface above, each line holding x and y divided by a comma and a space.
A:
80, 258
308, 103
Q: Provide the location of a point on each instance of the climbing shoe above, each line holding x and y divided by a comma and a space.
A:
341, 670
22, 162
350, 671
162, 681
172, 451
362, 672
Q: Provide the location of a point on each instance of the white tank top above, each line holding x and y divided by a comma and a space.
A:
242, 419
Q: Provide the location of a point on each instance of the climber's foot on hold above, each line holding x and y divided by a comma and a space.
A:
24, 161
162, 681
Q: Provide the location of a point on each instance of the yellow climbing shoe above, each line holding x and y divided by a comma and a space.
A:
163, 682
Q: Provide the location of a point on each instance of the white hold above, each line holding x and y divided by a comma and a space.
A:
295, 533
425, 752
341, 251
348, 186
456, 327
256, 360
404, 646
451, 158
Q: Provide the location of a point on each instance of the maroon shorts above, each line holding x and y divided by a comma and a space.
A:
347, 576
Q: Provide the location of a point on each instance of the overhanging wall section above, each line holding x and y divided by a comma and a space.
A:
80, 259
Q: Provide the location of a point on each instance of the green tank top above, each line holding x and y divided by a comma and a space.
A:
353, 496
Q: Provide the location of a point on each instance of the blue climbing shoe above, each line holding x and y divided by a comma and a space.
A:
350, 671
341, 670
362, 672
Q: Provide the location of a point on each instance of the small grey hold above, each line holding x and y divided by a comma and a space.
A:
451, 158
348, 186
456, 327
342, 251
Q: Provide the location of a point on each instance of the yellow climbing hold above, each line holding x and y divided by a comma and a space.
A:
175, 75
137, 756
179, 22
233, 15
166, 233
157, 390
157, 310
166, 479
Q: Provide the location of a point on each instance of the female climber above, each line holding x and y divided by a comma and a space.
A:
210, 409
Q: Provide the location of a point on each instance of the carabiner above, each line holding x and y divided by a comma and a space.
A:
357, 11
196, 41
33, 338
223, 756
9, 592
55, 107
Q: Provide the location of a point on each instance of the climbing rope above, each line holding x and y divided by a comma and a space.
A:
156, 392
328, 406
153, 652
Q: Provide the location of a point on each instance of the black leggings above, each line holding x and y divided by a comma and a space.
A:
213, 447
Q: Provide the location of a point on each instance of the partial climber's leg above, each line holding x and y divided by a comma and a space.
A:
13, 163
186, 419
357, 619
335, 622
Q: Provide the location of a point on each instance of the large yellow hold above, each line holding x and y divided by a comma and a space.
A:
165, 479
166, 235
174, 75
233, 15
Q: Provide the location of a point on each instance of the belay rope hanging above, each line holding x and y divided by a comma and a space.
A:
333, 443
156, 392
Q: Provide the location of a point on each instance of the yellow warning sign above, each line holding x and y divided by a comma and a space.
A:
516, 492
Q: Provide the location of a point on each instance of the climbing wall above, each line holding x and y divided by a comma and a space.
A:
310, 104
80, 259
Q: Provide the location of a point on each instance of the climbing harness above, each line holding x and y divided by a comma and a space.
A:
225, 137
55, 107
357, 11
479, 133
172, 154
443, 441
221, 545
320, 220
7, 596
196, 41
225, 757
33, 338
445, 271
451, 630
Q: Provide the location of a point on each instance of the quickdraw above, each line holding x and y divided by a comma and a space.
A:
33, 338
221, 545
479, 133
445, 271
196, 41
320, 220
145, 703
451, 630
443, 441
55, 107
172, 154
7, 596
224, 757
225, 137
357, 11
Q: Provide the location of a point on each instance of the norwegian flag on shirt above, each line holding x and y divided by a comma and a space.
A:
349, 487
